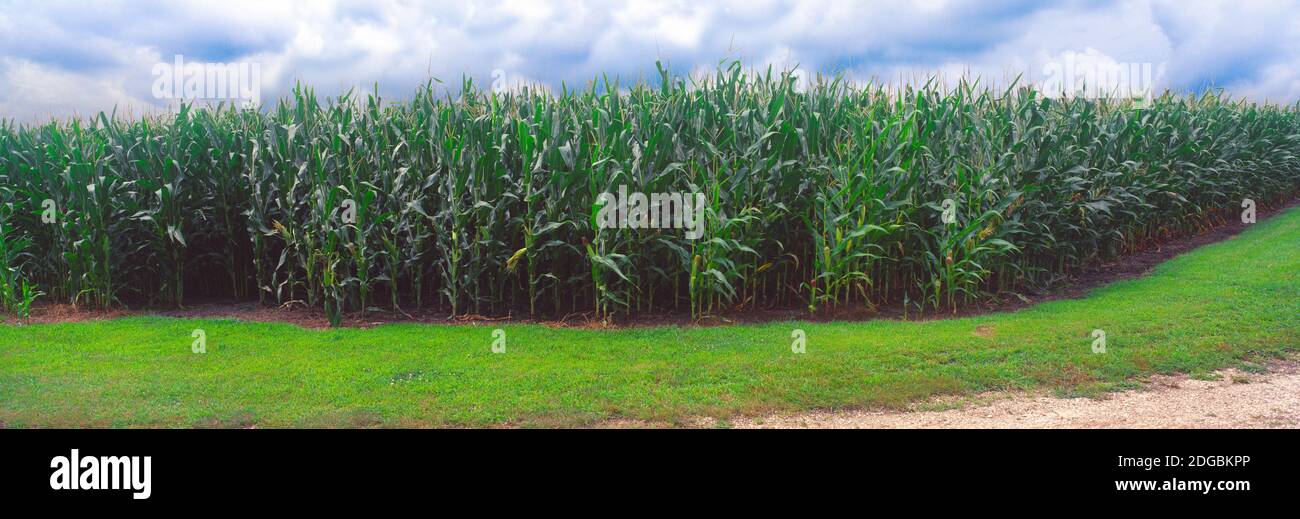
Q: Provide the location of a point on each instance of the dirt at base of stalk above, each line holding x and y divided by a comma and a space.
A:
1075, 286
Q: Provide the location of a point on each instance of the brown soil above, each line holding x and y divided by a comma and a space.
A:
1075, 286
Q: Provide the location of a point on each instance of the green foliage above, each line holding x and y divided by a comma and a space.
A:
485, 202
16, 293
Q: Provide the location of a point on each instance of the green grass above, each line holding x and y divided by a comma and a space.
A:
1218, 306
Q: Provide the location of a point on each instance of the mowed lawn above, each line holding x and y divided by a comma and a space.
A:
1232, 303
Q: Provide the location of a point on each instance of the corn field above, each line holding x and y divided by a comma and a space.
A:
477, 202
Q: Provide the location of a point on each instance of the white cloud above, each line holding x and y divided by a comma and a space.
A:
33, 92
62, 56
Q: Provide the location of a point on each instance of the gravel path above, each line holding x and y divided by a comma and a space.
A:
1236, 400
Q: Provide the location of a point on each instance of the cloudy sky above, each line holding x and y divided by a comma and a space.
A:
79, 57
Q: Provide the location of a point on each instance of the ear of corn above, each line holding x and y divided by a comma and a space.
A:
484, 202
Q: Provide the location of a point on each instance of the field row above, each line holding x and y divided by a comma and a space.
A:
837, 194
